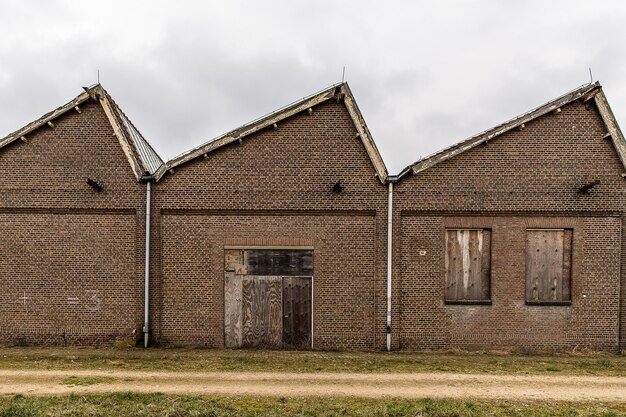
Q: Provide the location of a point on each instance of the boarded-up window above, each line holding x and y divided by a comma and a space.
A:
468, 265
548, 266
279, 262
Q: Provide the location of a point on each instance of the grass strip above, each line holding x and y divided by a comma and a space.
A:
132, 404
155, 359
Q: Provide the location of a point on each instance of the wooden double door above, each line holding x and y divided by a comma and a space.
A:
268, 299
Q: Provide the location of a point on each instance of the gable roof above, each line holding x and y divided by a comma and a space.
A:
339, 91
149, 159
585, 93
142, 158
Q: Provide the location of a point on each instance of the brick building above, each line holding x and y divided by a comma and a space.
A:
514, 238
276, 234
72, 253
307, 178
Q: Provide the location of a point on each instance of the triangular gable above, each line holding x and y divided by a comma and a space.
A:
586, 93
143, 160
339, 91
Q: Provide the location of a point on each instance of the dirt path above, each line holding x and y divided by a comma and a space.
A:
565, 388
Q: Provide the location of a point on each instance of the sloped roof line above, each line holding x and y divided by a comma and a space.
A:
585, 90
252, 122
614, 131
339, 90
48, 117
141, 156
365, 135
147, 156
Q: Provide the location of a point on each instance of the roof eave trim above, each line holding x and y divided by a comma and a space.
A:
98, 94
240, 133
138, 144
246, 130
32, 126
158, 174
118, 131
591, 92
613, 128
364, 134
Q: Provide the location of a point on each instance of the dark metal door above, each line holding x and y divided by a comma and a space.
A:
296, 312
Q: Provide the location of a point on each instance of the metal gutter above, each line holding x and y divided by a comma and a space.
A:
146, 312
391, 180
403, 173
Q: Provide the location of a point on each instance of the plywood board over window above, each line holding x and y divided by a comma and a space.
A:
548, 266
468, 266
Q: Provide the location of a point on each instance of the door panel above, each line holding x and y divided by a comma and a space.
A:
261, 312
233, 292
296, 312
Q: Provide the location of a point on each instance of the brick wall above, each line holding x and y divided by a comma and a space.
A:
72, 258
523, 179
72, 269
193, 273
274, 189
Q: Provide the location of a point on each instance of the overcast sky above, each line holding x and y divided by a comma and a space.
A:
425, 74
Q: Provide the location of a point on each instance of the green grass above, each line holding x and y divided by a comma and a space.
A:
154, 359
130, 404
74, 381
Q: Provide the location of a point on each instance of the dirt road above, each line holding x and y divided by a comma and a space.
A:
434, 385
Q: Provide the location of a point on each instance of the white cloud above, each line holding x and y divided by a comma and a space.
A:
425, 74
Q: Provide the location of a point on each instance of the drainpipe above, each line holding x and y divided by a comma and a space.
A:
146, 311
389, 260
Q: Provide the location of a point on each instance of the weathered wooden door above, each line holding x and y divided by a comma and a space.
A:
268, 298
296, 312
261, 312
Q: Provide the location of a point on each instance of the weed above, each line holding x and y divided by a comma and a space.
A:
86, 380
125, 343
308, 361
132, 404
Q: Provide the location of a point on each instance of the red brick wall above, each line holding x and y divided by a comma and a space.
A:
274, 189
522, 179
76, 255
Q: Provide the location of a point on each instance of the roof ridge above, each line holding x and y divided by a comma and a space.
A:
502, 127
341, 91
35, 124
143, 158
258, 119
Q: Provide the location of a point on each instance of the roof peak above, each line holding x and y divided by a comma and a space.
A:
474, 140
141, 156
341, 91
252, 122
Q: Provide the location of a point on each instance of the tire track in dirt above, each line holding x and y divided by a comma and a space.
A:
415, 385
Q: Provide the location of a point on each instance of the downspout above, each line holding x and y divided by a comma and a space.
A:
146, 311
389, 259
